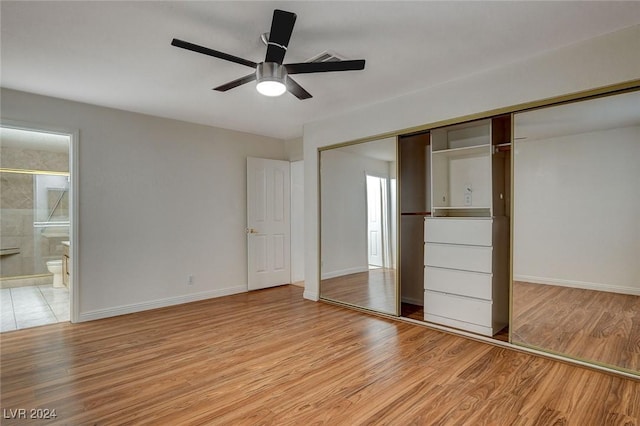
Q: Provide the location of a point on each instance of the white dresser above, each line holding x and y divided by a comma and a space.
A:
466, 277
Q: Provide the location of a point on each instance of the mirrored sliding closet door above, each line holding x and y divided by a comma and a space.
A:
358, 225
576, 230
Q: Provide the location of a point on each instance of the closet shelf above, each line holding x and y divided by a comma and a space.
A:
462, 208
467, 150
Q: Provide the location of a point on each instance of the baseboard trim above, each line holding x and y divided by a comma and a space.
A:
160, 303
412, 301
342, 272
309, 295
578, 284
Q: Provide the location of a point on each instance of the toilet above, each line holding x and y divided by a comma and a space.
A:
55, 267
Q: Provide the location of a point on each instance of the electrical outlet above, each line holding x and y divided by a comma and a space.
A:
190, 280
468, 190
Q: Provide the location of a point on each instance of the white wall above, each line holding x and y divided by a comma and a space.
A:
344, 210
577, 210
159, 200
297, 221
294, 149
605, 60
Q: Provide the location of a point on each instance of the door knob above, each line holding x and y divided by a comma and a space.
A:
251, 231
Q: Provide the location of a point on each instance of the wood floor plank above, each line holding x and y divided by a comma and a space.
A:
597, 326
272, 358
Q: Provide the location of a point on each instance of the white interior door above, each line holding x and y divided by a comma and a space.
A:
374, 221
268, 223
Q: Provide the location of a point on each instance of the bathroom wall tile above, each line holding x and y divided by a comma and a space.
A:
19, 158
11, 265
8, 242
10, 224
27, 248
31, 265
13, 282
38, 281
17, 201
27, 222
17, 191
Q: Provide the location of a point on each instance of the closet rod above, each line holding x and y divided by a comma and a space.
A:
502, 147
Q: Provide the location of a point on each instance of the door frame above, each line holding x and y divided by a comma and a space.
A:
74, 211
252, 284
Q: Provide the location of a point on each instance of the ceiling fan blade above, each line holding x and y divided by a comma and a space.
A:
235, 83
279, 36
311, 67
216, 54
297, 90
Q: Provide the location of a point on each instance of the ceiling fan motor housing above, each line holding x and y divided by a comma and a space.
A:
271, 71
272, 78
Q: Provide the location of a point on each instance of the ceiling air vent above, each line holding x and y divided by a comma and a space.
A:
326, 56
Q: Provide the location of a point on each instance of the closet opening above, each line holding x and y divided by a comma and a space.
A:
415, 205
455, 225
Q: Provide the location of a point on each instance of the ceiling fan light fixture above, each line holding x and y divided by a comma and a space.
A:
271, 78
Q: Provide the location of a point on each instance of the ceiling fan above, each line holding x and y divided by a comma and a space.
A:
272, 75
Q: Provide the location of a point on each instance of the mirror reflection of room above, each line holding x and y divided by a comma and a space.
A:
358, 221
576, 258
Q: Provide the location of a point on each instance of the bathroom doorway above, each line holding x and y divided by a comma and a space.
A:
37, 204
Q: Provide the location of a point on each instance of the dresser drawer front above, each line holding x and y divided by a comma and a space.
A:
463, 283
460, 308
476, 232
467, 258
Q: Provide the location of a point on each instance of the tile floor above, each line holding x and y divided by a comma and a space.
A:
23, 307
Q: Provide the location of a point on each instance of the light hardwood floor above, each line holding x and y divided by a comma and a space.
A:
270, 357
374, 289
593, 325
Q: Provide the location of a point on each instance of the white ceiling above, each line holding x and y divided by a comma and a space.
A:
118, 54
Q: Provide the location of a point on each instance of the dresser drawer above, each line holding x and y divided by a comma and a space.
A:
476, 232
463, 283
460, 308
467, 258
